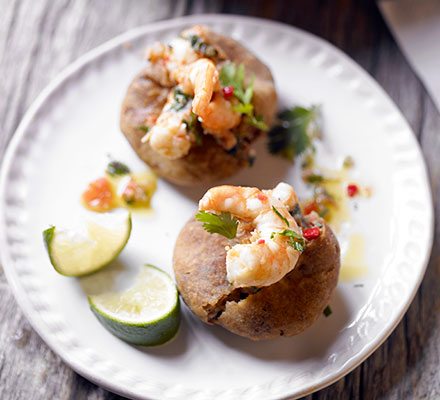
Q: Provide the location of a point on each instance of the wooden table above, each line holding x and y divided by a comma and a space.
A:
39, 38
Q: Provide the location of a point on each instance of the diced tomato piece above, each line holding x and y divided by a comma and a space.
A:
313, 206
261, 197
228, 92
352, 190
311, 233
134, 193
98, 196
261, 241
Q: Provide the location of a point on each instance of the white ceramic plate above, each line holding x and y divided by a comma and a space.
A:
62, 144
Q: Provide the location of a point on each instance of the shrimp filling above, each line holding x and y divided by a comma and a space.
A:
266, 256
193, 74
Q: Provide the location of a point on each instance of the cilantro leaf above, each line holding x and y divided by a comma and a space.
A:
248, 109
144, 128
258, 122
201, 47
295, 240
249, 92
180, 99
222, 224
295, 133
244, 108
117, 168
231, 75
327, 311
227, 76
279, 214
193, 126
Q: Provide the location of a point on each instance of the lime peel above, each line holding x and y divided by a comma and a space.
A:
76, 253
146, 314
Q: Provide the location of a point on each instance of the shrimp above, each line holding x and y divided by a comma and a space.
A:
215, 112
169, 136
219, 117
267, 258
175, 65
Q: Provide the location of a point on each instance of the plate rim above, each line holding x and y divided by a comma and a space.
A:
120, 40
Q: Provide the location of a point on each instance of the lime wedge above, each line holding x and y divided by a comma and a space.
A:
147, 314
81, 252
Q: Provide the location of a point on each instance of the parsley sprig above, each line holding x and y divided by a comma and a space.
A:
298, 126
223, 223
295, 240
231, 75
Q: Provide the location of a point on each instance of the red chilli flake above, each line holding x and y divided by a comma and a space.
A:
311, 233
261, 197
228, 91
261, 241
352, 190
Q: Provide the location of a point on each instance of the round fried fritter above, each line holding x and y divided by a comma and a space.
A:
285, 308
209, 162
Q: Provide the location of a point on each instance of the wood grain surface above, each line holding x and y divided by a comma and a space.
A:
38, 38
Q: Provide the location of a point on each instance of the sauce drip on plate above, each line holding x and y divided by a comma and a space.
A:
120, 188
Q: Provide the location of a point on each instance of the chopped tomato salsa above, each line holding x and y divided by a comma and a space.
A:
98, 196
134, 193
313, 206
261, 241
311, 233
352, 190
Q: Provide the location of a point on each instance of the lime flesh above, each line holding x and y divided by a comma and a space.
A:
146, 314
82, 252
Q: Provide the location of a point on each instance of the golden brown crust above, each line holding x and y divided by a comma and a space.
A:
145, 99
287, 307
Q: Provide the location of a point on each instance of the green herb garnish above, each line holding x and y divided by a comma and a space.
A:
201, 47
255, 289
180, 99
295, 133
327, 311
231, 75
313, 178
193, 126
248, 109
117, 168
144, 128
223, 224
279, 214
295, 240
